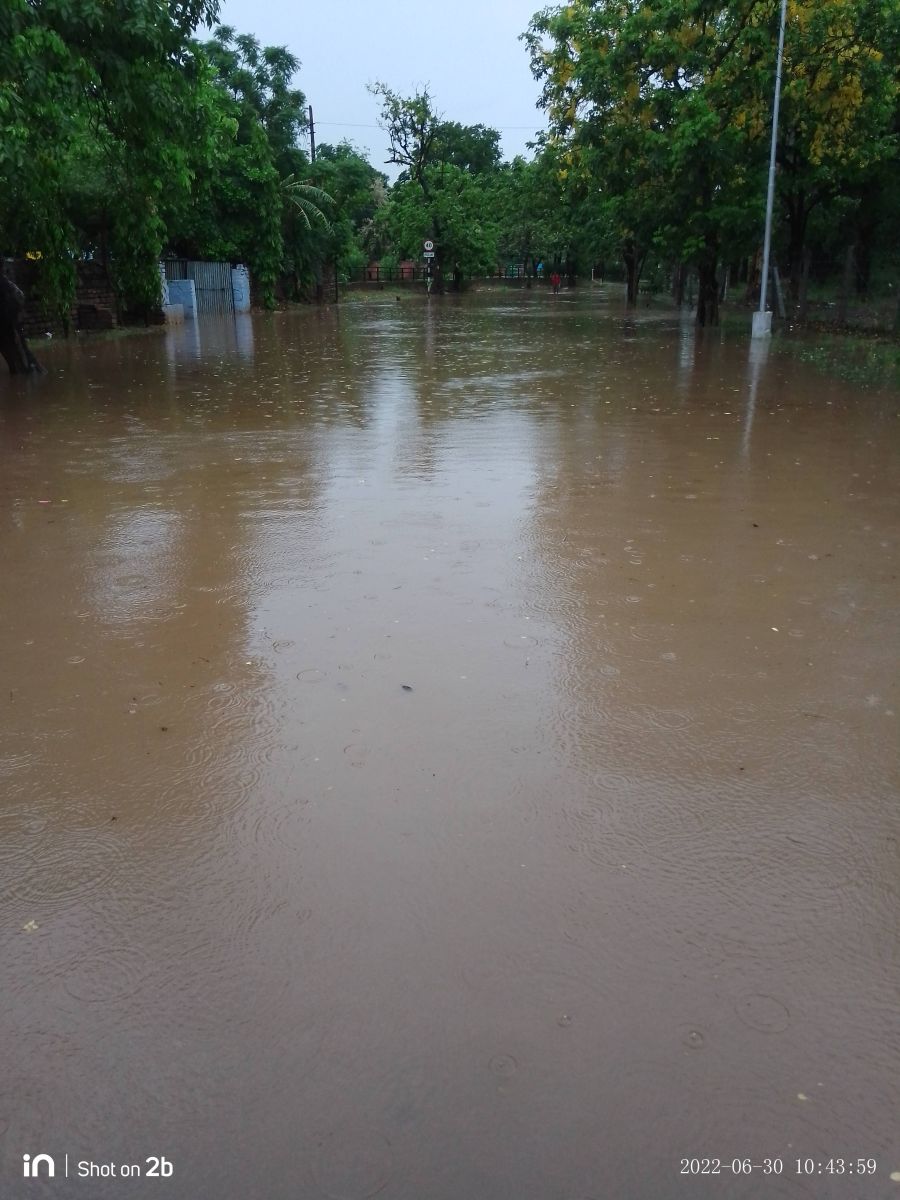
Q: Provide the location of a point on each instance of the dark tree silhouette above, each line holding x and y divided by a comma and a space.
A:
13, 345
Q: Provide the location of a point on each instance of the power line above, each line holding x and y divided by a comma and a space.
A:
362, 125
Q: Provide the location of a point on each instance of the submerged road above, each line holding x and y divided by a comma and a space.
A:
448, 752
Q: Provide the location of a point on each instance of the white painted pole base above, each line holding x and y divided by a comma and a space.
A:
762, 325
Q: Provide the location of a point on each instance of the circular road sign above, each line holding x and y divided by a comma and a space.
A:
429, 244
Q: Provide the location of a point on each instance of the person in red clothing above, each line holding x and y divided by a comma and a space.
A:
556, 281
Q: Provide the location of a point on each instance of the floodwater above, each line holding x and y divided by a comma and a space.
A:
448, 753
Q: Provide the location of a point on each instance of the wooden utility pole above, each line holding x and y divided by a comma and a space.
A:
312, 137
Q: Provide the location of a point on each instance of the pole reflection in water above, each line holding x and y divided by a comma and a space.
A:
687, 349
757, 359
184, 341
243, 326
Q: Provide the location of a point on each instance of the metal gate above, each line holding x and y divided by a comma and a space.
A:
212, 282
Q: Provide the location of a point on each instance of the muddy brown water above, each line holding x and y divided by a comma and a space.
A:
448, 753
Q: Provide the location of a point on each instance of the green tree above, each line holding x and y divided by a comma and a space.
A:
113, 88
839, 102
641, 100
359, 191
443, 191
121, 135
665, 106
458, 216
547, 212
412, 127
474, 148
238, 210
521, 215
260, 80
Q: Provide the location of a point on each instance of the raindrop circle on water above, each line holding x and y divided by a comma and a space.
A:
503, 1065
692, 1038
104, 977
311, 675
356, 754
64, 870
763, 1013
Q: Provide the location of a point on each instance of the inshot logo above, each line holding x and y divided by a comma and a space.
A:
31, 1166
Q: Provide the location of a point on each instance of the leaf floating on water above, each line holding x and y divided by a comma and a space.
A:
406, 687
30, 927
801, 1096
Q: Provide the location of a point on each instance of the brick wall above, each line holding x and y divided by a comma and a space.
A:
95, 304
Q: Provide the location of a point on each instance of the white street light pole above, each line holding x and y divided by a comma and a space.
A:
762, 320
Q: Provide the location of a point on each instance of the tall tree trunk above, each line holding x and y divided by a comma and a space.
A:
863, 267
803, 311
630, 258
678, 280
754, 278
13, 350
846, 283
866, 231
708, 284
13, 344
798, 216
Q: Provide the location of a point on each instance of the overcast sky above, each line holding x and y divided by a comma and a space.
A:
466, 50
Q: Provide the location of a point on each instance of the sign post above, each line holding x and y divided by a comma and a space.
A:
428, 255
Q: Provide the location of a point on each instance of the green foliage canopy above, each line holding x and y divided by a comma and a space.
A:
663, 107
113, 87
